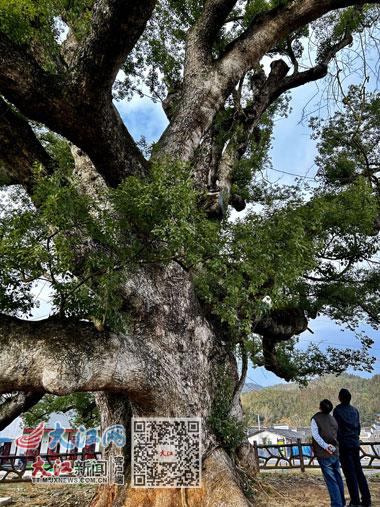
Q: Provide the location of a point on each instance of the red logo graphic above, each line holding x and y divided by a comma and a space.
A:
167, 453
33, 440
62, 467
38, 466
59, 467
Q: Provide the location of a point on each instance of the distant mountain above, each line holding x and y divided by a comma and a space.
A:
290, 404
251, 386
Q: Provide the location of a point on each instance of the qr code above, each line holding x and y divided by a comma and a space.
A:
166, 452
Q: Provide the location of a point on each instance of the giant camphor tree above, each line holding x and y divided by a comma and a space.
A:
160, 297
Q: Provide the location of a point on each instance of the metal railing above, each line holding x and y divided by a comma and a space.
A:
13, 468
300, 455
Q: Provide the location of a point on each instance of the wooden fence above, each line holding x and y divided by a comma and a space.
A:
300, 455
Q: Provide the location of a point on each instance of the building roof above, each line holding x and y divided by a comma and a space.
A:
286, 433
5, 440
306, 431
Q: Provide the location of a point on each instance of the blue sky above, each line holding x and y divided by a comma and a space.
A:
293, 151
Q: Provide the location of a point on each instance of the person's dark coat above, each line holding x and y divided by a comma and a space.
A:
348, 421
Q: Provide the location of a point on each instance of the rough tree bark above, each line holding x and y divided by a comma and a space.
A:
169, 362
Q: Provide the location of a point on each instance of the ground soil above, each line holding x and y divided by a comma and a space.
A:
269, 490
35, 495
295, 490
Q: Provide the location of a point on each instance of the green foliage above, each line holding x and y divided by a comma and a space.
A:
268, 254
21, 252
36, 23
307, 251
80, 407
86, 249
260, 256
257, 156
348, 163
257, 7
59, 150
23, 19
77, 14
255, 159
334, 26
162, 216
158, 58
229, 431
160, 52
295, 406
300, 250
350, 139
303, 365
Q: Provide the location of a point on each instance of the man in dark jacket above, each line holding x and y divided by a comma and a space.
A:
324, 430
348, 421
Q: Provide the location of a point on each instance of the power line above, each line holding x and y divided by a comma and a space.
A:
346, 345
292, 174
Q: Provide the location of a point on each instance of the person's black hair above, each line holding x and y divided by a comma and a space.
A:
344, 396
326, 406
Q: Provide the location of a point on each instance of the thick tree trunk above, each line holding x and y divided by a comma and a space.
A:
182, 358
220, 488
186, 357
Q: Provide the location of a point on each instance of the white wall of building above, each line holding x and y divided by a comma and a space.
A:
266, 438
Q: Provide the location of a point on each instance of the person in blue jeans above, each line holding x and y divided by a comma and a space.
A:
348, 421
324, 431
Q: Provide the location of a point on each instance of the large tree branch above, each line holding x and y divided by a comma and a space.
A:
116, 27
271, 361
61, 356
318, 71
19, 149
24, 82
203, 33
221, 162
152, 362
102, 134
16, 405
52, 100
205, 93
279, 326
269, 28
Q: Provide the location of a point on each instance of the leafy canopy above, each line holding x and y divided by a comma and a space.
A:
302, 250
80, 407
295, 247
